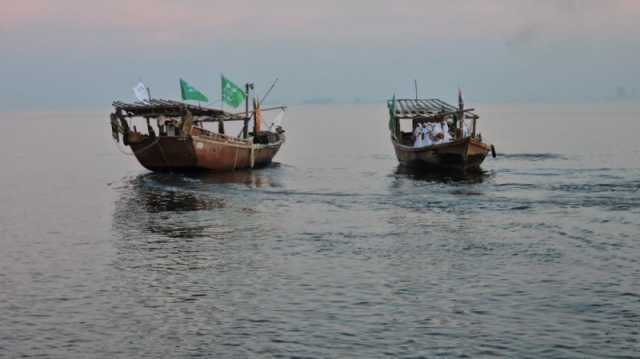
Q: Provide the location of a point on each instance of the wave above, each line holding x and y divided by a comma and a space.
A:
534, 156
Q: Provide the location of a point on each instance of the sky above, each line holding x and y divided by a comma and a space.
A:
84, 54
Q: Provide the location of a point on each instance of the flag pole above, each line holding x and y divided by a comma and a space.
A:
245, 129
460, 113
221, 93
221, 120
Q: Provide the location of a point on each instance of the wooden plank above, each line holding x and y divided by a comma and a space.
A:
420, 107
417, 109
412, 106
159, 107
403, 107
434, 115
447, 106
435, 105
426, 106
431, 105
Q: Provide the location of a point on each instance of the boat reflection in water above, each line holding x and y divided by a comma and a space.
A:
442, 175
164, 222
263, 178
157, 206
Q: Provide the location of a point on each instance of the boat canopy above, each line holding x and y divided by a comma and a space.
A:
169, 108
424, 108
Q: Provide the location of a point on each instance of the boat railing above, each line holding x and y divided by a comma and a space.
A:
197, 131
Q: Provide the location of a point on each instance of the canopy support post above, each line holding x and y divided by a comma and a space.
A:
473, 132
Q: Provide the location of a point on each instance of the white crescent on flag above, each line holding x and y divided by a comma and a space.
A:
141, 93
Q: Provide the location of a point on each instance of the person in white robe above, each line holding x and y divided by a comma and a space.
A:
466, 132
437, 133
417, 133
426, 131
447, 135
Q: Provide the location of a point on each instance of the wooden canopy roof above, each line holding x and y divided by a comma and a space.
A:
169, 108
414, 108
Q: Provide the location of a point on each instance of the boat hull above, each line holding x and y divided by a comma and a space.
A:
201, 153
466, 154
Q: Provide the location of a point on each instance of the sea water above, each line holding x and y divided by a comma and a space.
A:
333, 251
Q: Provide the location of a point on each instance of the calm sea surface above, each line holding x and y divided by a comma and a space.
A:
332, 252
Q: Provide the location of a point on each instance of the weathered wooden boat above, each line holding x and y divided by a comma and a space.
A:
465, 151
180, 142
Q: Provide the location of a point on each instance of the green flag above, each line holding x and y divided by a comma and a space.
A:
232, 95
191, 93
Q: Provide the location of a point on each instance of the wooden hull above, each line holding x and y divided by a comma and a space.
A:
200, 152
465, 154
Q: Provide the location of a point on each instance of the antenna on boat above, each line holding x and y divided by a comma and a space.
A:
415, 83
269, 90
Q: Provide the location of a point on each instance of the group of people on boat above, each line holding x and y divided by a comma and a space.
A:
434, 133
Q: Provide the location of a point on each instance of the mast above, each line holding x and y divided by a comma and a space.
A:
221, 92
257, 116
245, 129
220, 120
460, 113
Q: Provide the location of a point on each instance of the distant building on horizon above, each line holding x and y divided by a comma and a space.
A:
621, 93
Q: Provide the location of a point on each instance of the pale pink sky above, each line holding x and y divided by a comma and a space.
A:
166, 22
497, 49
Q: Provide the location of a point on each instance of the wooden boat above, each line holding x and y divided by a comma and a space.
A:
179, 141
465, 151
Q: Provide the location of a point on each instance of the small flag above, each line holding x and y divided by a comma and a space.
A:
141, 92
232, 95
191, 93
460, 102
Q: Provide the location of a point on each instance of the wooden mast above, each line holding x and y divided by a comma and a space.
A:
460, 113
220, 120
245, 129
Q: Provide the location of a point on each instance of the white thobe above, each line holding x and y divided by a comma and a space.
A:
465, 129
436, 130
427, 139
447, 135
418, 135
